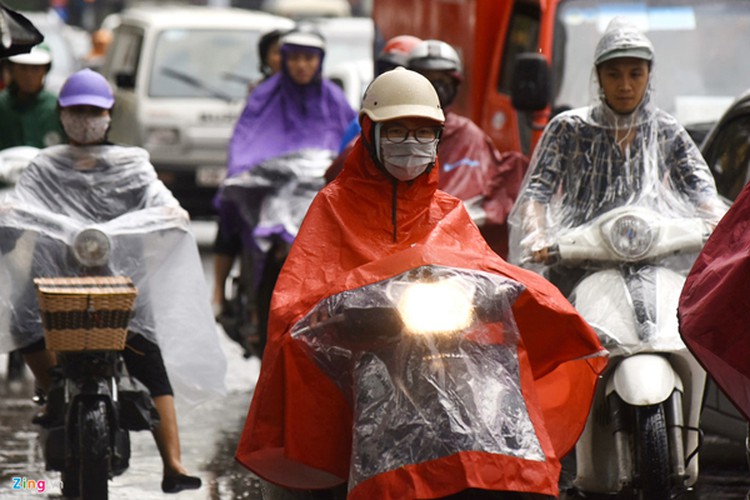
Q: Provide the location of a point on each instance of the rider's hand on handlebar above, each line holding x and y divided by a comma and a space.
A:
541, 255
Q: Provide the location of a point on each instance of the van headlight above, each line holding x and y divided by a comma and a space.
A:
631, 236
162, 136
436, 307
92, 247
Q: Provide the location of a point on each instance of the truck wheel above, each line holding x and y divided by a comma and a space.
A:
652, 452
94, 449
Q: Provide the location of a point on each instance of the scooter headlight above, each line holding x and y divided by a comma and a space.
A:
92, 247
437, 307
631, 236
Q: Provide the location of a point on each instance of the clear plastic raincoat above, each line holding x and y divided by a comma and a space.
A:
272, 198
593, 159
66, 189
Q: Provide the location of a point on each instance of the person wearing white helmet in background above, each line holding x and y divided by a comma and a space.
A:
381, 216
471, 167
28, 117
621, 150
28, 112
91, 181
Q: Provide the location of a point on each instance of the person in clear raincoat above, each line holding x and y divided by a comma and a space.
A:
172, 346
621, 150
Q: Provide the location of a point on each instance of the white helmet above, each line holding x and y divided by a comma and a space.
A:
304, 36
39, 56
401, 93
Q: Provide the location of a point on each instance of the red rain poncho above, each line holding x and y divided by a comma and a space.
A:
473, 170
715, 304
298, 429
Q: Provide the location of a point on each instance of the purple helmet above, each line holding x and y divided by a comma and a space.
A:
86, 88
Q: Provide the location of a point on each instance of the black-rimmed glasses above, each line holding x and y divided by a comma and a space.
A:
398, 134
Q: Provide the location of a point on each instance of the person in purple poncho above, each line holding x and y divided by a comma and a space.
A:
292, 110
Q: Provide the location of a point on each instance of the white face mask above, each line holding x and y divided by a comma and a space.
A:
84, 129
409, 159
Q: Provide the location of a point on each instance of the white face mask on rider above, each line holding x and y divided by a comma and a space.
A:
84, 128
409, 159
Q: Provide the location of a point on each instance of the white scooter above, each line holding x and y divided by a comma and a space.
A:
641, 439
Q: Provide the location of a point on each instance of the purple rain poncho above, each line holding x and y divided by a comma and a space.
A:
281, 116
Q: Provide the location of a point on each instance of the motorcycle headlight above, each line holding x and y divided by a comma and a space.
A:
631, 236
437, 307
92, 247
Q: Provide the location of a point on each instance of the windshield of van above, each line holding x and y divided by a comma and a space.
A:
347, 42
204, 63
698, 68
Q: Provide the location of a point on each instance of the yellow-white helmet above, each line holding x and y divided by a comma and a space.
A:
401, 93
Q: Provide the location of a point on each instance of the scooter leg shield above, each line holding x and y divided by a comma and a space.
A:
644, 379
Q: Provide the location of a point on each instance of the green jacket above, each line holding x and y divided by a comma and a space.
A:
33, 123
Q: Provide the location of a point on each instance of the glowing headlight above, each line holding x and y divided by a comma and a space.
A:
92, 247
438, 307
631, 236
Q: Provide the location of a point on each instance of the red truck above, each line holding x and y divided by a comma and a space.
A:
538, 54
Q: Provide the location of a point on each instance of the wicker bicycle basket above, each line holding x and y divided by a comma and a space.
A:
86, 313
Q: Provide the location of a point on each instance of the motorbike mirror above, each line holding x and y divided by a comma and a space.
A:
372, 326
530, 85
125, 80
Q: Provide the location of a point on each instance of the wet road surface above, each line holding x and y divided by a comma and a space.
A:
209, 434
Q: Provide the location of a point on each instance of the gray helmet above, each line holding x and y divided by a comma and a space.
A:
401, 93
435, 55
622, 39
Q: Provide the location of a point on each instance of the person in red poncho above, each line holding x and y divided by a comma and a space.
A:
471, 167
381, 217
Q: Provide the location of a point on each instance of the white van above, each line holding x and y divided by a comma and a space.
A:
181, 77
349, 53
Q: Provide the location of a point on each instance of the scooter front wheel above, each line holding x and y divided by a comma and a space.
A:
94, 449
652, 452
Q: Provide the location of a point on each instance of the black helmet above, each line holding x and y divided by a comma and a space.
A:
264, 45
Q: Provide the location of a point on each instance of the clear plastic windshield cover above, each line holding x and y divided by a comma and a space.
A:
419, 397
273, 197
151, 245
